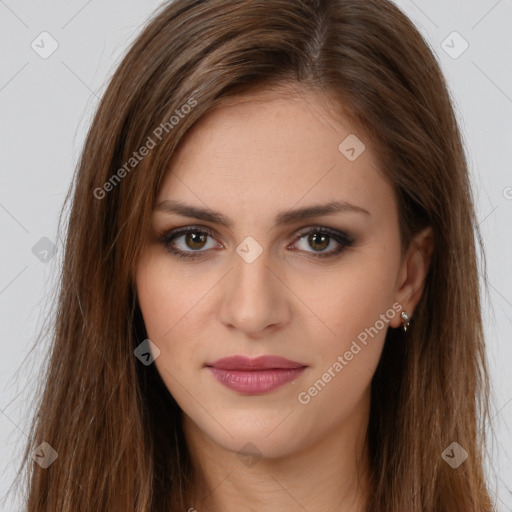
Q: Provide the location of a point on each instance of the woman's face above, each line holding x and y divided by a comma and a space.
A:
318, 290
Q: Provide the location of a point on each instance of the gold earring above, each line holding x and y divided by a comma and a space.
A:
405, 321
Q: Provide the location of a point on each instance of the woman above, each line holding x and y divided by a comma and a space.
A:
270, 292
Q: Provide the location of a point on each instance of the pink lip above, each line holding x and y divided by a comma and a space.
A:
254, 376
257, 363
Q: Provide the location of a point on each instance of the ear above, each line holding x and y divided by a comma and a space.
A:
412, 274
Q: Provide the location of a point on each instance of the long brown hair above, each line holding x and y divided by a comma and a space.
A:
116, 428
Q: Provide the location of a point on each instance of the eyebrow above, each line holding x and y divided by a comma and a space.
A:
282, 218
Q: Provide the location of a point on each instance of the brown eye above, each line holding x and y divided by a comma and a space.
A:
195, 240
319, 241
190, 242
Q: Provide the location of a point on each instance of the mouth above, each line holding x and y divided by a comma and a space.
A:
255, 376
257, 363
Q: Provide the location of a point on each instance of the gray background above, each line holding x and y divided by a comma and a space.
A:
47, 103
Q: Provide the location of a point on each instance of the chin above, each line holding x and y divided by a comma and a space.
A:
245, 436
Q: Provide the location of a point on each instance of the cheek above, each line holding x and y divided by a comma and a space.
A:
357, 307
166, 295
155, 301
359, 312
171, 298
356, 294
164, 304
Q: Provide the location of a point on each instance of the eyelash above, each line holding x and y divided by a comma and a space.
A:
168, 237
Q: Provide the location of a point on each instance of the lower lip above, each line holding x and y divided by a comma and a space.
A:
255, 381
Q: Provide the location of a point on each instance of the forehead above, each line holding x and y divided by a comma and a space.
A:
272, 149
280, 120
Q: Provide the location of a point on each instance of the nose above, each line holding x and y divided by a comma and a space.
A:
255, 299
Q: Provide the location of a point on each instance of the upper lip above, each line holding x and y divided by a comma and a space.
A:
257, 363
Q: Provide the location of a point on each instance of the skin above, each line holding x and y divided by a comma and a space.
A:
249, 160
